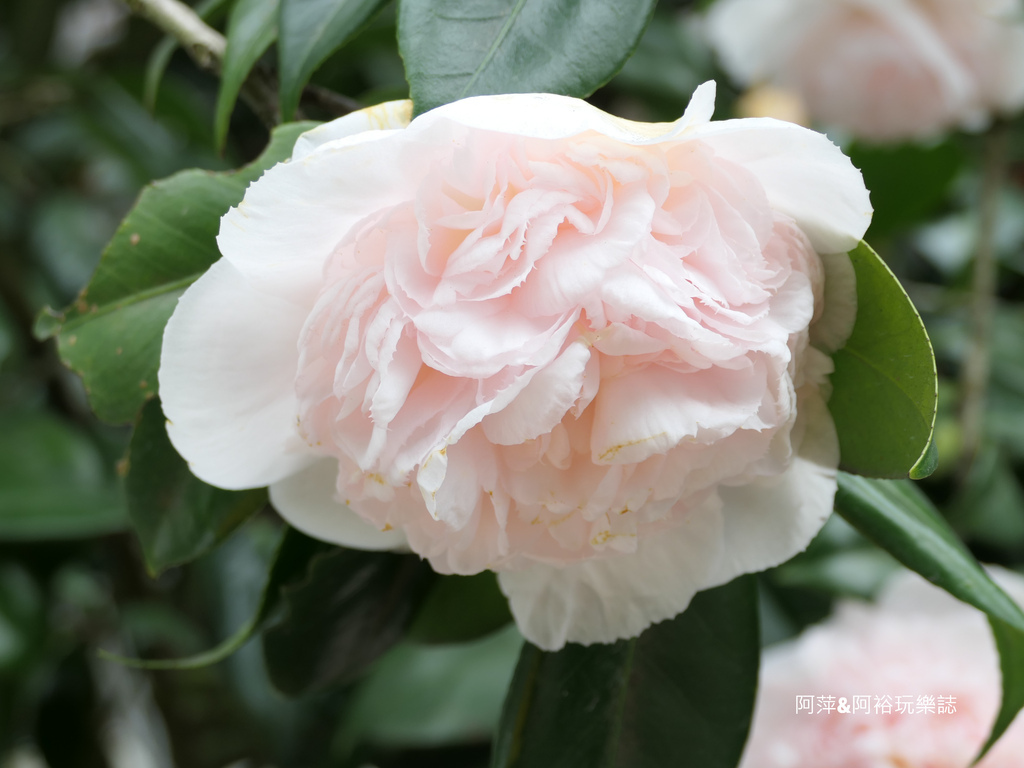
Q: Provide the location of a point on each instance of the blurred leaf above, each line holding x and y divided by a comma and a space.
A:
155, 68
949, 243
422, 696
111, 335
856, 573
990, 506
22, 618
311, 30
351, 607
907, 181
1007, 339
252, 27
53, 482
68, 232
68, 722
884, 389
900, 519
461, 608
8, 334
680, 694
177, 516
293, 556
453, 49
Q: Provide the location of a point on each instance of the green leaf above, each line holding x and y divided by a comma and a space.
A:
900, 519
461, 608
885, 388
156, 65
352, 607
680, 694
252, 27
311, 30
453, 48
111, 335
424, 696
1010, 644
293, 556
177, 516
53, 482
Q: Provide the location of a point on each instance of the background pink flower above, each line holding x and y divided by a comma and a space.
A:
916, 642
522, 335
882, 70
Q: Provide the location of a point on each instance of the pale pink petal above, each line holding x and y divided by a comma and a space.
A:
655, 409
543, 402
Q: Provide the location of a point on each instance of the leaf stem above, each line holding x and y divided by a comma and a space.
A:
206, 46
975, 372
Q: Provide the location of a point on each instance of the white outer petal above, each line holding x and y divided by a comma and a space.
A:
381, 117
768, 521
805, 176
227, 373
754, 527
294, 216
549, 116
607, 599
308, 501
831, 331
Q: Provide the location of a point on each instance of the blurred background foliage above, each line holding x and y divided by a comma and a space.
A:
77, 144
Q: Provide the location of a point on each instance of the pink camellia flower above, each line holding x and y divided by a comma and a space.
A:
926, 672
522, 335
882, 70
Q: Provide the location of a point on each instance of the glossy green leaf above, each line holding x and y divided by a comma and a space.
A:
453, 48
884, 389
900, 519
311, 30
252, 28
54, 484
461, 608
294, 555
351, 607
1010, 644
111, 335
422, 696
680, 694
177, 516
